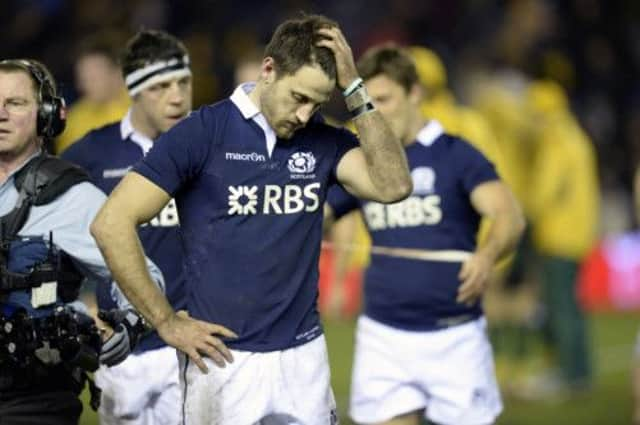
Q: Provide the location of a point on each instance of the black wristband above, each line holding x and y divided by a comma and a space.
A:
362, 109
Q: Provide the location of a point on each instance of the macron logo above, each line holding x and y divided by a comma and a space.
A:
252, 157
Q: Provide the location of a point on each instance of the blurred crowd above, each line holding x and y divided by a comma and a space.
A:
548, 90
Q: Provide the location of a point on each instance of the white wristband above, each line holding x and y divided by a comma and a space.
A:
352, 87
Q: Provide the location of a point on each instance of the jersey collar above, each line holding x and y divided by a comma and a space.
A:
128, 132
430, 133
249, 110
241, 99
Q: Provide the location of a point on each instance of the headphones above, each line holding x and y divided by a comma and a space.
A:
52, 115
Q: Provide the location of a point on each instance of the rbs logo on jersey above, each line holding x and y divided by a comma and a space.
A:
168, 217
412, 212
273, 199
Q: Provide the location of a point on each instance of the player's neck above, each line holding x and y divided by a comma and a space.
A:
141, 124
254, 95
416, 123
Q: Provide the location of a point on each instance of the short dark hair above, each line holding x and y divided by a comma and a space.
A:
149, 46
43, 83
293, 45
391, 61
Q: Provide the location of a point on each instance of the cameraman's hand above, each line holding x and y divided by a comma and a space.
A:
197, 338
127, 328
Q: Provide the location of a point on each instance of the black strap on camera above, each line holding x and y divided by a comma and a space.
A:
42, 180
39, 182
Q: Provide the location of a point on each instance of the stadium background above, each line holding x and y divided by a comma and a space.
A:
490, 49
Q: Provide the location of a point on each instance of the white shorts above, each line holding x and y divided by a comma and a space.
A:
275, 388
142, 390
448, 372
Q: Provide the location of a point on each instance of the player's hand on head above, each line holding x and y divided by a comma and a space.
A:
333, 39
197, 339
474, 277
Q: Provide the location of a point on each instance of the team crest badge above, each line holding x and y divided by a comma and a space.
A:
302, 163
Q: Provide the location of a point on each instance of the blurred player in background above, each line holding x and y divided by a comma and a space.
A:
421, 344
250, 176
145, 388
563, 204
512, 306
507, 293
349, 234
248, 66
440, 104
103, 96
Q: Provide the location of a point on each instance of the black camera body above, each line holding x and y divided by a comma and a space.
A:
64, 337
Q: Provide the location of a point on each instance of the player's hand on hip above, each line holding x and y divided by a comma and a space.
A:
196, 338
474, 276
333, 39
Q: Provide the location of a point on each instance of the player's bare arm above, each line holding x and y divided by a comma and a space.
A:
495, 201
328, 218
381, 154
135, 201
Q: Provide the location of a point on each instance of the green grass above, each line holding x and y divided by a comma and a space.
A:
609, 403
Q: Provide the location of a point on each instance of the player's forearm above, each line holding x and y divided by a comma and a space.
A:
385, 156
504, 233
119, 243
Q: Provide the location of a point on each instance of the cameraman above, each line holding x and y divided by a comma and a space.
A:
47, 342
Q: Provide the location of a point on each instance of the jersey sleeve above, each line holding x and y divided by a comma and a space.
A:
180, 153
474, 167
78, 152
345, 141
341, 201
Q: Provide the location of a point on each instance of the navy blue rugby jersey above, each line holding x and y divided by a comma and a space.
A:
438, 216
250, 209
107, 154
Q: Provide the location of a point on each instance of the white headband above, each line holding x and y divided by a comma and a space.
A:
156, 72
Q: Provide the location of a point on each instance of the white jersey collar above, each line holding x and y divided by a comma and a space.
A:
127, 131
429, 133
249, 110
